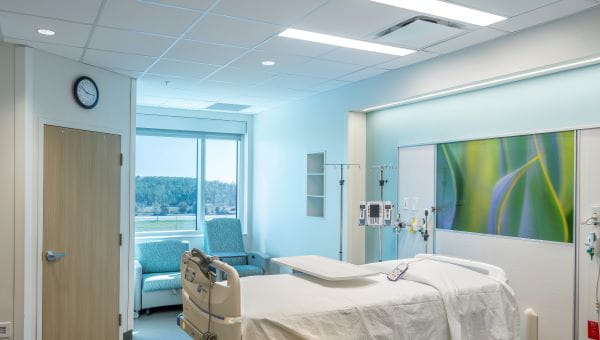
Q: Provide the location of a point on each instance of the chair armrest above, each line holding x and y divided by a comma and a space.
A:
137, 288
259, 259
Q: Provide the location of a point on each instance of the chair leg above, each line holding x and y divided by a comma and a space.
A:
136, 315
147, 311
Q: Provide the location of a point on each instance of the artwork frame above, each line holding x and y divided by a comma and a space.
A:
479, 190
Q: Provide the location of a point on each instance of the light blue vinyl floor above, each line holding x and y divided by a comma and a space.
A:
161, 324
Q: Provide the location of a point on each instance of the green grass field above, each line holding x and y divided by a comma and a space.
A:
164, 225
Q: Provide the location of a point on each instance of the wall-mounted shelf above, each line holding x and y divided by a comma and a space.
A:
315, 184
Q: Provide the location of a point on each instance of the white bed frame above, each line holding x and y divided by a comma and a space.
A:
225, 307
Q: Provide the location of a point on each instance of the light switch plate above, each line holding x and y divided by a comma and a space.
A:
5, 330
596, 211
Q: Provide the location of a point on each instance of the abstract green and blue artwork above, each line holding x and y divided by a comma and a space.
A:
519, 186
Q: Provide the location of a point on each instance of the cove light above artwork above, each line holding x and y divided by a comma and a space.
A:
344, 42
446, 10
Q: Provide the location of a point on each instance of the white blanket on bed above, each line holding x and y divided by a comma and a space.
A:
436, 301
477, 306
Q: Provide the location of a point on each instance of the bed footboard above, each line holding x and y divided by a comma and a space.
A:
208, 306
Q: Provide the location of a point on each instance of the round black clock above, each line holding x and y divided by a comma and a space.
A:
86, 92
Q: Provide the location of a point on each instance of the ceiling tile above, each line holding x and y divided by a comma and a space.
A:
204, 52
353, 18
132, 74
232, 31
295, 46
363, 74
330, 85
466, 40
24, 27
146, 17
83, 11
61, 50
281, 12
284, 63
294, 82
507, 8
241, 76
161, 82
182, 68
198, 5
187, 104
357, 57
279, 92
414, 58
544, 14
325, 69
117, 60
129, 42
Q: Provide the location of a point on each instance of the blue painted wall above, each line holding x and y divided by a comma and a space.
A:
569, 99
283, 138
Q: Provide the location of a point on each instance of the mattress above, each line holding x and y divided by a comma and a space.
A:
434, 301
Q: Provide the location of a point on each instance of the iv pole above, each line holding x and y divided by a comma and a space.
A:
342, 181
382, 183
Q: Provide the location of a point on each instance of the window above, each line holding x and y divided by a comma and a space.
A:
182, 179
220, 179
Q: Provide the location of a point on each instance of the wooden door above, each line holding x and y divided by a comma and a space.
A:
82, 178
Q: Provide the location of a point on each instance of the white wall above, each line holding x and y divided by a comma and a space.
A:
589, 194
7, 225
45, 96
320, 122
416, 192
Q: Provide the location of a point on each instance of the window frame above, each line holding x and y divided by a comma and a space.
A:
201, 138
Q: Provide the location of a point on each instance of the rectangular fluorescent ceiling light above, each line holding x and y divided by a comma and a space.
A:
446, 10
344, 42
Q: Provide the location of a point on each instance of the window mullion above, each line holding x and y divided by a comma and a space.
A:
202, 184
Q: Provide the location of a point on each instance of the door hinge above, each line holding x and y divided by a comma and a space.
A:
120, 319
121, 159
120, 239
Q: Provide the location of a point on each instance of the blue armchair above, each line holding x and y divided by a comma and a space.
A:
223, 238
157, 277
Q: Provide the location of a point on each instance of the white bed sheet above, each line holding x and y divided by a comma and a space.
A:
303, 307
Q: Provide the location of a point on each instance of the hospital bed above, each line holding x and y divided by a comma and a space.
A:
437, 298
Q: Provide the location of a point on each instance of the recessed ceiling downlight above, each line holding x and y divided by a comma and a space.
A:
268, 63
45, 31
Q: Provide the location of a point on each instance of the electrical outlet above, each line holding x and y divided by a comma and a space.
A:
5, 330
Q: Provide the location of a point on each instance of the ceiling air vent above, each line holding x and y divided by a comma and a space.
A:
5, 330
227, 107
420, 32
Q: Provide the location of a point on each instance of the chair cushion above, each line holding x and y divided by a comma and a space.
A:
160, 256
161, 281
248, 270
222, 235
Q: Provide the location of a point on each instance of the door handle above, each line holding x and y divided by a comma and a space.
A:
52, 256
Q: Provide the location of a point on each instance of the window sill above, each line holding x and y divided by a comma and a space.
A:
167, 234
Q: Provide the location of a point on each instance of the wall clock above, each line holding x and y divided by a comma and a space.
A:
86, 92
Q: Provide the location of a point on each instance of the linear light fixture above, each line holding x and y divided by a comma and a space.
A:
344, 42
489, 83
446, 10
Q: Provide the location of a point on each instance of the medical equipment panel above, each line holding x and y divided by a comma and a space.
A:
362, 213
375, 213
388, 212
